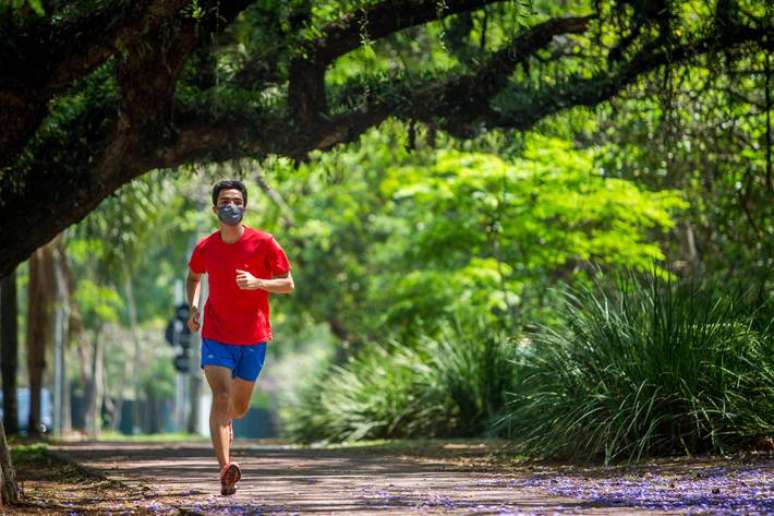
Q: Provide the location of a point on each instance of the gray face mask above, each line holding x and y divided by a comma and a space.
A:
230, 214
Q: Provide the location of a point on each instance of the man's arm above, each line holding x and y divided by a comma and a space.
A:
192, 284
279, 285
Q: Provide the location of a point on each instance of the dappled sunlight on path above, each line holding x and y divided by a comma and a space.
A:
279, 479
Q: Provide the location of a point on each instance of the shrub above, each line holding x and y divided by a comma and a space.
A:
650, 368
453, 386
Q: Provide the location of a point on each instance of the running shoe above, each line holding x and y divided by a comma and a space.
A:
229, 476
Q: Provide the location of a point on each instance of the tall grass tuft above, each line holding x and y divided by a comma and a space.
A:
377, 394
651, 368
474, 371
452, 386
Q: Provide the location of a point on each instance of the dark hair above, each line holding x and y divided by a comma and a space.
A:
229, 184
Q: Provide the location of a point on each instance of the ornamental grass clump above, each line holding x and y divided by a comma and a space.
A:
649, 368
448, 386
374, 395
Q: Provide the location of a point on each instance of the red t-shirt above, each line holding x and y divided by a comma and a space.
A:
233, 315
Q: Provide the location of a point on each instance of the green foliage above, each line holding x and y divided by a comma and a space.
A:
651, 368
714, 150
98, 304
143, 211
648, 368
496, 226
18, 5
452, 386
475, 366
24, 453
63, 149
169, 437
158, 381
371, 396
197, 12
138, 240
389, 244
141, 235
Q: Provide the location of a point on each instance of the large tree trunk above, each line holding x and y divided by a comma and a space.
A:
10, 493
74, 335
115, 421
131, 366
136, 362
41, 297
9, 351
60, 339
93, 391
83, 360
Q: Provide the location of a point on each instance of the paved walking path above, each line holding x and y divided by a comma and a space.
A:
449, 478
285, 480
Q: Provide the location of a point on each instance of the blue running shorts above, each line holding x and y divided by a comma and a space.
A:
245, 362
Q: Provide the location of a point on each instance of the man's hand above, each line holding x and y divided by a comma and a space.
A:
247, 281
193, 321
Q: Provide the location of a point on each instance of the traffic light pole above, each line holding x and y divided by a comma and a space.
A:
180, 393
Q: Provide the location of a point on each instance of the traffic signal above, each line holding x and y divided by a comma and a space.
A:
177, 334
173, 330
183, 362
182, 312
184, 337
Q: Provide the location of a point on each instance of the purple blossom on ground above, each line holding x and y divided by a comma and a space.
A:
717, 490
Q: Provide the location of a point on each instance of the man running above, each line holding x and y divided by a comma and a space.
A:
243, 266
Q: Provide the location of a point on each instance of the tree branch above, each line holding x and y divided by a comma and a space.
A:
459, 98
65, 174
63, 52
597, 89
384, 19
306, 91
459, 104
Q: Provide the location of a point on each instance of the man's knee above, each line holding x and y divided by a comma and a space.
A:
220, 399
241, 408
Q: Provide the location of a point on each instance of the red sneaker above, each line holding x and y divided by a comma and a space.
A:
229, 476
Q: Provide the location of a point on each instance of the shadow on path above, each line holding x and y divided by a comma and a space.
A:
285, 480
277, 479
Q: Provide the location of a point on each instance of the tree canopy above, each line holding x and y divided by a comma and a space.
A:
95, 93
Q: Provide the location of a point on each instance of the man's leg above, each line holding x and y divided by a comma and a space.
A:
246, 371
220, 382
241, 391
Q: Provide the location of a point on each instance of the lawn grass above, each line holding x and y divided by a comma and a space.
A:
152, 438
